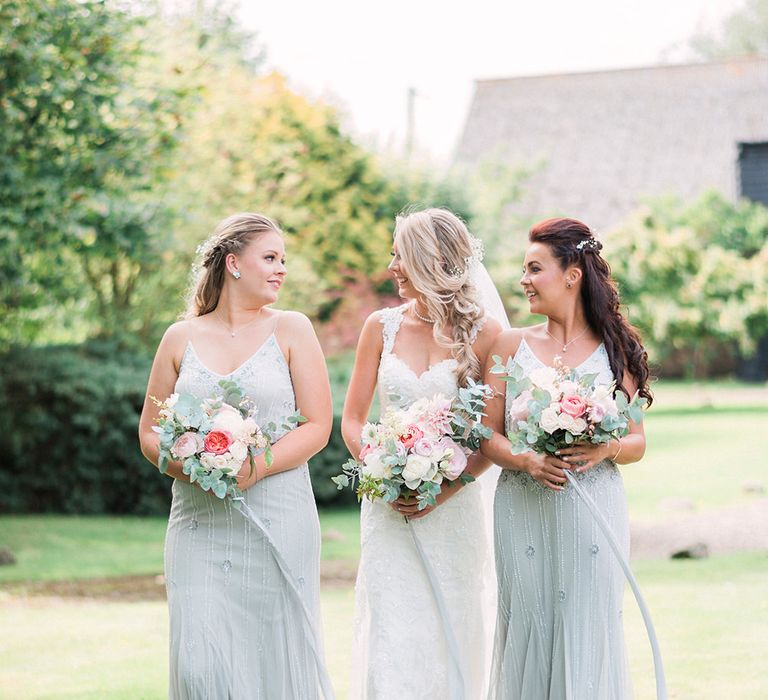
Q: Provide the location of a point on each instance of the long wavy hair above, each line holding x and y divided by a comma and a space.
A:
599, 297
232, 235
436, 248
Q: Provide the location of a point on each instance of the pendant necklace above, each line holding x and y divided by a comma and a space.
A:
229, 330
570, 342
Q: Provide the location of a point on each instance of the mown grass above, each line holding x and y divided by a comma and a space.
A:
711, 617
705, 457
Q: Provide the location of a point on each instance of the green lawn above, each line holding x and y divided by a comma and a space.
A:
711, 617
703, 456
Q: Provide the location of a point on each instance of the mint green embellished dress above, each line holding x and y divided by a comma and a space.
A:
244, 594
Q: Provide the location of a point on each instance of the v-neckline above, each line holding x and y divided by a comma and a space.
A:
239, 367
577, 367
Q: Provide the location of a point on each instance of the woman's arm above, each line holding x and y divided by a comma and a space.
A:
162, 380
547, 470
309, 377
362, 384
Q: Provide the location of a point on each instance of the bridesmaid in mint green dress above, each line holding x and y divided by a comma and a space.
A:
243, 586
559, 632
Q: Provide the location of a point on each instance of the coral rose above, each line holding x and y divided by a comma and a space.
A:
217, 442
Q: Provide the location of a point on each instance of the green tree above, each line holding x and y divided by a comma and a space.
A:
744, 32
694, 278
84, 135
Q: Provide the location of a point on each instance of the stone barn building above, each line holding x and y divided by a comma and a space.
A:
600, 142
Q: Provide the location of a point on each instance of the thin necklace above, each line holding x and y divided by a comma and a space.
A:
570, 342
229, 330
423, 318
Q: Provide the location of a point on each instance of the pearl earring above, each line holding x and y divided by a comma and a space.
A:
236, 274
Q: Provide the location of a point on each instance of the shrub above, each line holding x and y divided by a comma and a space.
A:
69, 416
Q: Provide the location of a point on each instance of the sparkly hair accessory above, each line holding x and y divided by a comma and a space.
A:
478, 253
591, 244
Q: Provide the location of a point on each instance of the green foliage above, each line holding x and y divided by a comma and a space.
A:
70, 417
744, 32
84, 133
325, 465
694, 278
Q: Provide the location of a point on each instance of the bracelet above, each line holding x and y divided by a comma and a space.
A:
615, 457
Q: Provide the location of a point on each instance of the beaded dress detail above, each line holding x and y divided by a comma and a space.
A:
244, 598
559, 632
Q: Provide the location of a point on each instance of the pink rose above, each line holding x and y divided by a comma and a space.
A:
218, 441
456, 463
597, 413
424, 447
573, 405
410, 436
518, 409
186, 445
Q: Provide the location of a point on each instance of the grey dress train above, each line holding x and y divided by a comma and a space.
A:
559, 632
244, 603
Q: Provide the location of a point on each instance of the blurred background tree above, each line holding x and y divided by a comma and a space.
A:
743, 33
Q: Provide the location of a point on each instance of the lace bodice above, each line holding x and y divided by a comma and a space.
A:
397, 382
264, 378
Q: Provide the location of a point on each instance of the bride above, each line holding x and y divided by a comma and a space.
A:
420, 630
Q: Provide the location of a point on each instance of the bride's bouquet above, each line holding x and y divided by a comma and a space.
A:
413, 451
552, 407
213, 437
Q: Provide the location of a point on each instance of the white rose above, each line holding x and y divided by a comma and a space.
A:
171, 401
575, 426
374, 466
238, 450
544, 378
549, 420
229, 419
210, 461
248, 432
569, 388
418, 469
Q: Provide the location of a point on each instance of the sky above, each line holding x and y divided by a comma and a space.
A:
364, 56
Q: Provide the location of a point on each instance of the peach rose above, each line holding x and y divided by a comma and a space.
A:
217, 442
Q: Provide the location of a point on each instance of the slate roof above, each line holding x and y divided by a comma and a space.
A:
606, 139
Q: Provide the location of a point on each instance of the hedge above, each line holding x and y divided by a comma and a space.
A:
68, 420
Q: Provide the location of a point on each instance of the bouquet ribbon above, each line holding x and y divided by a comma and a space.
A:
312, 635
458, 684
658, 666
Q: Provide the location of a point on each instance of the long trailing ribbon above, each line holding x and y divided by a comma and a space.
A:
442, 607
312, 636
658, 666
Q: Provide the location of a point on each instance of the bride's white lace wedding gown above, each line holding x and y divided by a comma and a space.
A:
403, 648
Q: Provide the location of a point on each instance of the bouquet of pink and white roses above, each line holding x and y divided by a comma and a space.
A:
552, 407
414, 450
213, 437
